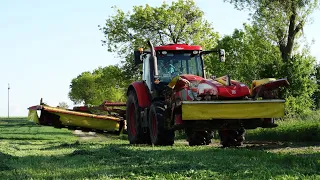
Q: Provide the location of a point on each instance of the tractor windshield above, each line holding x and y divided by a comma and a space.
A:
175, 63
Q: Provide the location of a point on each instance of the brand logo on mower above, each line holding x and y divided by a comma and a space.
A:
233, 92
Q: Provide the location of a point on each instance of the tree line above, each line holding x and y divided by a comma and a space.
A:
268, 47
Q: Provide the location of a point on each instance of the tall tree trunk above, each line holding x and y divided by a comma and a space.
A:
287, 49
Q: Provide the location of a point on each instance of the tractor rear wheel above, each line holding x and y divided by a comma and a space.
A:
197, 138
134, 128
159, 134
231, 137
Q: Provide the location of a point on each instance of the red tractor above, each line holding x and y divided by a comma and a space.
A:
175, 94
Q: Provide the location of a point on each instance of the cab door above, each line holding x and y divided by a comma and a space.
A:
146, 76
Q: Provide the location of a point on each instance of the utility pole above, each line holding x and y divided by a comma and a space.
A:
8, 99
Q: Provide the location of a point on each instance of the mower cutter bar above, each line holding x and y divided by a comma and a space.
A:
235, 101
233, 109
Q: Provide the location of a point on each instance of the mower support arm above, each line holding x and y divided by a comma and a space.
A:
221, 53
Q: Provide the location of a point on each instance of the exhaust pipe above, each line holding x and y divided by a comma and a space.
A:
155, 61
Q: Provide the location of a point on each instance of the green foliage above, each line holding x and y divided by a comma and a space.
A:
83, 87
249, 56
63, 105
180, 22
316, 94
92, 88
28, 151
282, 22
267, 48
302, 84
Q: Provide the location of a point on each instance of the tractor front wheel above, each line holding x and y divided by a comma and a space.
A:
159, 134
135, 131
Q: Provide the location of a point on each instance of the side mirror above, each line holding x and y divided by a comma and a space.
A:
222, 57
137, 57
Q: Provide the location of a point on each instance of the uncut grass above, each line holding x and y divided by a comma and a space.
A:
290, 130
57, 154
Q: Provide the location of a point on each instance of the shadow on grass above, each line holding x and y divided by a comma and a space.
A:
3, 159
81, 161
32, 136
35, 133
17, 121
13, 118
126, 161
267, 145
27, 138
18, 125
63, 145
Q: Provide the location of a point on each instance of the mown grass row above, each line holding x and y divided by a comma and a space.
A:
299, 129
28, 151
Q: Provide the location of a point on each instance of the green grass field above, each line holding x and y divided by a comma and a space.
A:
28, 151
289, 131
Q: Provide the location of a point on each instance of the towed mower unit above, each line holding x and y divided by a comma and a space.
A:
80, 118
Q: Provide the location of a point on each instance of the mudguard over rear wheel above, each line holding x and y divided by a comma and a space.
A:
159, 134
136, 135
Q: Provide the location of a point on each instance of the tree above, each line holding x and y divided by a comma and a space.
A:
180, 22
249, 56
316, 94
63, 105
282, 22
92, 88
302, 84
83, 88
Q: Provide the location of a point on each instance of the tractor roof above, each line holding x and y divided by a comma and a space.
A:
173, 47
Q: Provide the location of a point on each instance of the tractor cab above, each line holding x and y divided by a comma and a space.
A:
172, 63
162, 63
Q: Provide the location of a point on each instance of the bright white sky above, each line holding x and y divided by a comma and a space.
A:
44, 44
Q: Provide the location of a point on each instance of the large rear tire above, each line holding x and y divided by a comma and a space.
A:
198, 138
159, 134
231, 137
134, 128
